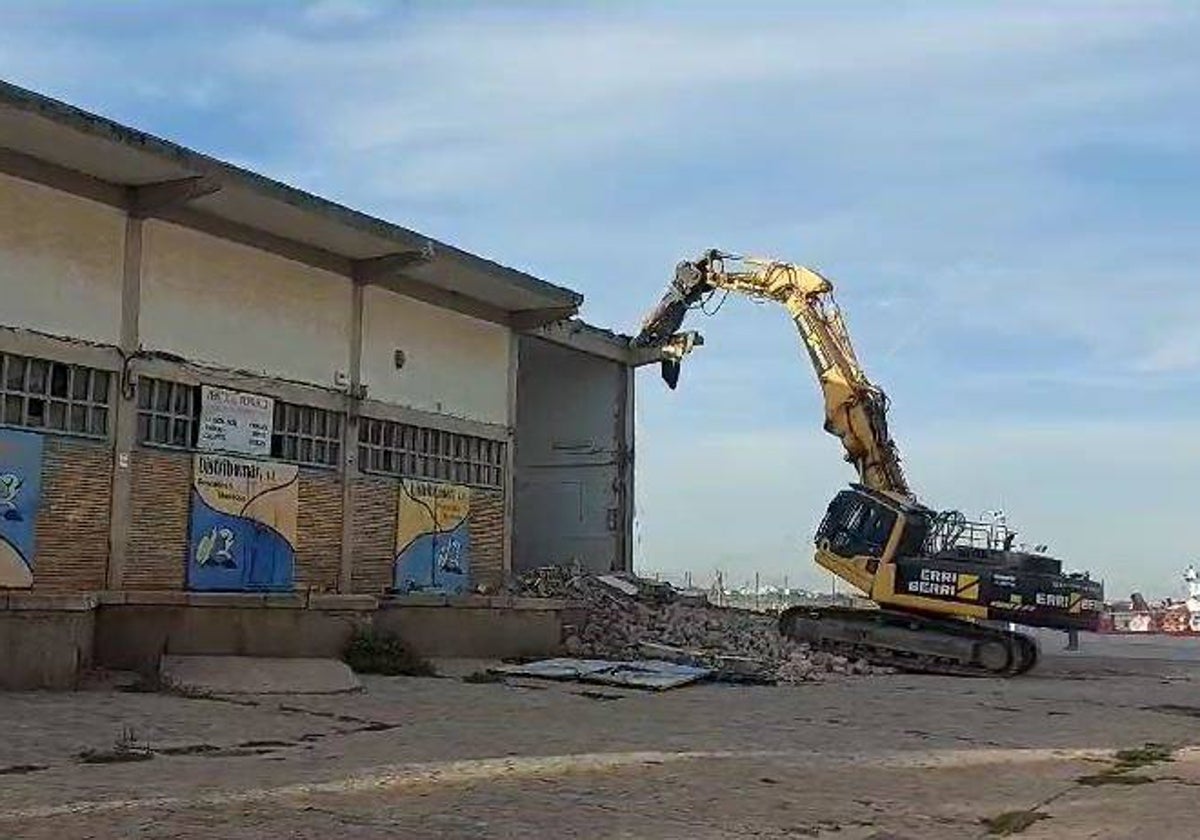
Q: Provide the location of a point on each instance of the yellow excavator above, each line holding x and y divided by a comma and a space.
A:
948, 590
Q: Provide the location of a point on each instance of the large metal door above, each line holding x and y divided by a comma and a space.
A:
572, 459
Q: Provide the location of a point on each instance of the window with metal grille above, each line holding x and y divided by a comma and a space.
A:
307, 435
168, 413
54, 396
400, 449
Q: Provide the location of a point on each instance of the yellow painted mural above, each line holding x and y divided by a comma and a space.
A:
433, 543
243, 534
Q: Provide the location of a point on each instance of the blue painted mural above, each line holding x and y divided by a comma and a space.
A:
20, 496
433, 542
243, 529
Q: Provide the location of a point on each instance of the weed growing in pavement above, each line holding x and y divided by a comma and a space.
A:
383, 653
1127, 761
125, 748
1011, 822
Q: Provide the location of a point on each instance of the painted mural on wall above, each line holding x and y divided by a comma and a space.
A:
243, 531
433, 543
20, 495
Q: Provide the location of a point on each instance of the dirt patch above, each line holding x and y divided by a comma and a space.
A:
22, 769
266, 743
483, 677
125, 749
1174, 709
113, 756
189, 749
362, 724
1011, 822
1108, 777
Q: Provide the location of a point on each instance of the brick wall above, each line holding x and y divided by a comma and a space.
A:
319, 530
486, 526
71, 539
374, 533
159, 509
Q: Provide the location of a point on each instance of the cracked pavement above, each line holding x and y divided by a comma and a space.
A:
859, 757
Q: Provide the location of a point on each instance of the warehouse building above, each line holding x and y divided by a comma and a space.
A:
213, 382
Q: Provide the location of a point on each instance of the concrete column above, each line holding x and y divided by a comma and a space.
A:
349, 464
125, 414
625, 463
510, 453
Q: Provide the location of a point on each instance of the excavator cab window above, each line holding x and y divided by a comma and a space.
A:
856, 525
916, 529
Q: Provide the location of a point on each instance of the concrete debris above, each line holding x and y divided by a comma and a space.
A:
625, 587
725, 667
647, 619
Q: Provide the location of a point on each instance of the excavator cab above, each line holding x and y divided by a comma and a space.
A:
863, 529
905, 556
855, 525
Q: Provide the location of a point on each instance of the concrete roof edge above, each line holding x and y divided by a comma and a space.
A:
199, 163
588, 338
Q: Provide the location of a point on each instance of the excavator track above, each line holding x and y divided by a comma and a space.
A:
913, 643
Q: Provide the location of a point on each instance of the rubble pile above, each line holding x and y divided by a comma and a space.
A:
621, 617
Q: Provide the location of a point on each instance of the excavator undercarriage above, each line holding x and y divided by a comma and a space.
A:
912, 642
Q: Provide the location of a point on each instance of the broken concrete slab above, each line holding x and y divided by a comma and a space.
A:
257, 675
650, 674
623, 586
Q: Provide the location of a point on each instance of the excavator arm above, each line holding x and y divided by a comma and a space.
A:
855, 409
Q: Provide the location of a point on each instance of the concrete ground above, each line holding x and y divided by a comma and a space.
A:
860, 757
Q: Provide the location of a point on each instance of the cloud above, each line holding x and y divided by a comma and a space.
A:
326, 13
483, 99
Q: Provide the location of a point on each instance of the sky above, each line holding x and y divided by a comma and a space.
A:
1006, 196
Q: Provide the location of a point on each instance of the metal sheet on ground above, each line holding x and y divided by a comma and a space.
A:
649, 674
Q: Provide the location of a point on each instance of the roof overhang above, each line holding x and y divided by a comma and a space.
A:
48, 141
586, 338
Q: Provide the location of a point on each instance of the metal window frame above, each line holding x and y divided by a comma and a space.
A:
17, 399
151, 413
395, 448
324, 432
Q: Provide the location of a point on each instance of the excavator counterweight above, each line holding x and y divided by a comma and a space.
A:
943, 585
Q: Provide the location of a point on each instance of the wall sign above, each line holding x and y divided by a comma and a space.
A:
20, 495
235, 421
243, 530
433, 543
